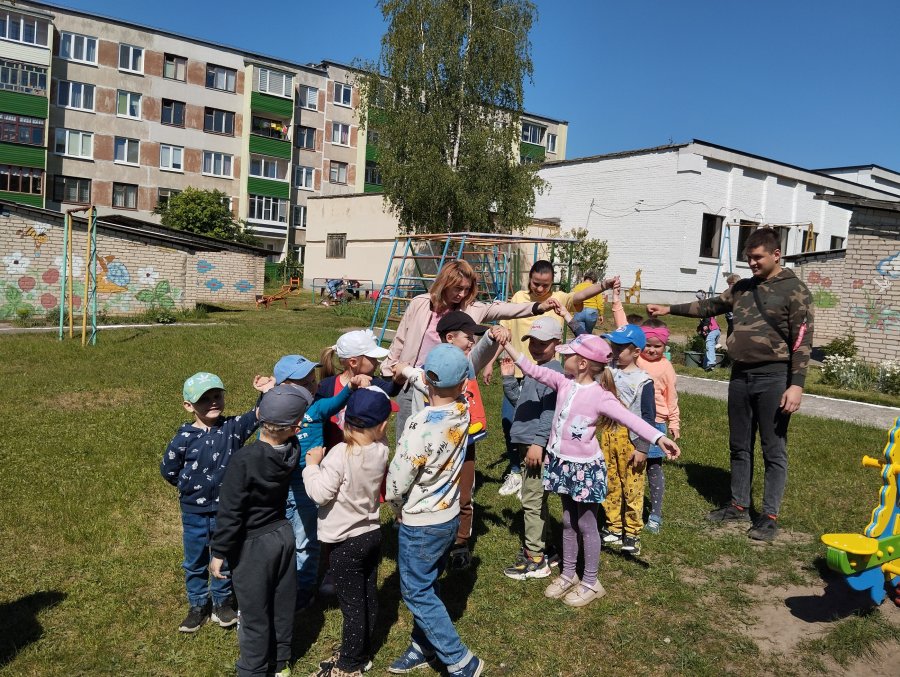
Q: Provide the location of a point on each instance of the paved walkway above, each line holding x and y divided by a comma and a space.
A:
862, 413
12, 329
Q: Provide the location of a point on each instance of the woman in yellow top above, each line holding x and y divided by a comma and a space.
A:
593, 306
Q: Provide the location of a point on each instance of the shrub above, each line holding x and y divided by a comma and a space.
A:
889, 378
847, 372
841, 347
696, 344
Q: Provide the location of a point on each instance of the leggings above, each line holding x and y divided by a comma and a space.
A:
657, 487
580, 519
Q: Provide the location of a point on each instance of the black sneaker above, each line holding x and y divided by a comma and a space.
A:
460, 558
631, 545
730, 513
765, 529
197, 616
610, 537
527, 566
552, 558
224, 614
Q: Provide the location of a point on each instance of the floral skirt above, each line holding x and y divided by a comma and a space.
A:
584, 482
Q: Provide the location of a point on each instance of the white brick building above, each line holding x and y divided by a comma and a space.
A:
665, 210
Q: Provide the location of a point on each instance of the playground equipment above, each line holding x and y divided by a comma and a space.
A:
498, 260
293, 288
871, 562
67, 275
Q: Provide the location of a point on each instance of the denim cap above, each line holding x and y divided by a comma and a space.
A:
545, 329
284, 404
588, 346
627, 334
198, 384
367, 407
294, 367
446, 366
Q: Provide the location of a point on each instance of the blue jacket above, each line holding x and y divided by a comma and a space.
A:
195, 459
312, 429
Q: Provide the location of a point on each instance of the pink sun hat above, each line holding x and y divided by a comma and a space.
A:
588, 346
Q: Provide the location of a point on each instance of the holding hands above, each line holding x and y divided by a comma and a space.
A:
654, 310
398, 371
263, 383
500, 334
314, 456
360, 381
669, 447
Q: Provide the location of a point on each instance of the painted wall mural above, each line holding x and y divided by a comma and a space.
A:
820, 288
876, 311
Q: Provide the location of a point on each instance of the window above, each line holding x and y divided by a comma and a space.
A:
124, 195
21, 129
268, 168
217, 164
20, 77
218, 121
219, 77
336, 246
308, 97
744, 230
20, 28
303, 177
710, 235
372, 137
77, 95
75, 47
299, 220
373, 173
532, 133
127, 150
21, 180
338, 173
343, 94
131, 58
271, 128
170, 157
306, 137
836, 242
175, 67
72, 189
551, 143
129, 105
163, 195
340, 134
275, 82
172, 113
74, 143
264, 208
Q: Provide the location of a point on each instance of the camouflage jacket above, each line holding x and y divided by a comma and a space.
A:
785, 299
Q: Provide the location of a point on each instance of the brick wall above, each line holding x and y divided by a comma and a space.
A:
133, 272
824, 275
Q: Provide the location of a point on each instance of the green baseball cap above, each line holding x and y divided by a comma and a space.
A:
198, 384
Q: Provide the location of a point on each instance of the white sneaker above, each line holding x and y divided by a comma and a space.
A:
512, 484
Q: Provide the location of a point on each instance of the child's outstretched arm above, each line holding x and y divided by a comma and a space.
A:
322, 478
673, 420
577, 326
609, 405
619, 317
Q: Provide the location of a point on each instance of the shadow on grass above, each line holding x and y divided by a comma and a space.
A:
712, 483
19, 625
838, 601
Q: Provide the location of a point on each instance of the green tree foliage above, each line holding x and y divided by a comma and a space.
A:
204, 212
446, 98
589, 253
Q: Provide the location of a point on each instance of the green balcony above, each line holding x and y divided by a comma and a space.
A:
373, 188
23, 156
23, 198
265, 145
273, 105
24, 104
268, 188
532, 151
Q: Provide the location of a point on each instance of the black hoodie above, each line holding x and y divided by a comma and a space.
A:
253, 495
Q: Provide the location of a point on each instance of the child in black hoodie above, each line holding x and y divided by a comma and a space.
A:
256, 539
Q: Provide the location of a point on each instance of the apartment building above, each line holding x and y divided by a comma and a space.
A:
101, 111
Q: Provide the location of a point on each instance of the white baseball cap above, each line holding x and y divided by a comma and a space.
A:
545, 329
358, 343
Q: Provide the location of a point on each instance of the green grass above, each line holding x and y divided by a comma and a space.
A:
91, 580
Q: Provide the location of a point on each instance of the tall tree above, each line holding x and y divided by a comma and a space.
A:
204, 212
446, 98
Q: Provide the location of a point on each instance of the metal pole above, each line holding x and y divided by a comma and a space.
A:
71, 275
87, 282
92, 225
383, 286
64, 268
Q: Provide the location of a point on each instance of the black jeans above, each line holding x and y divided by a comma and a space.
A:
354, 566
754, 400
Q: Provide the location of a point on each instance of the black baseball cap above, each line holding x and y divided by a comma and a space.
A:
457, 320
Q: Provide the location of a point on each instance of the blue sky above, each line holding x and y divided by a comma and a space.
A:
811, 83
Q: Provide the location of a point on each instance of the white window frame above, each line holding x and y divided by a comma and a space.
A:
269, 80
279, 168
527, 127
124, 48
346, 91
337, 129
338, 166
71, 137
298, 132
125, 195
304, 93
176, 60
169, 194
68, 86
304, 177
269, 206
224, 73
72, 40
127, 145
129, 100
20, 21
299, 221
223, 159
551, 142
173, 152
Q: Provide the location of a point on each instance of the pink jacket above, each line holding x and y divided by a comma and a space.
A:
573, 433
407, 343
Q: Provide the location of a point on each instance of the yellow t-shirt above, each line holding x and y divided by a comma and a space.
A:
521, 326
594, 301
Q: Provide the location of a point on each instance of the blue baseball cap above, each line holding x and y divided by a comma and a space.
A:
367, 407
446, 366
195, 386
294, 367
627, 334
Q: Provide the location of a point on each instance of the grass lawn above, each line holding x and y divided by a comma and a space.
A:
91, 580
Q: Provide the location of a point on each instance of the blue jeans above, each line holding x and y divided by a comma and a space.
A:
302, 513
421, 558
507, 413
589, 317
712, 338
198, 529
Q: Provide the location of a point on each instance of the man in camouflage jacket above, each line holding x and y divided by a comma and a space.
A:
770, 347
